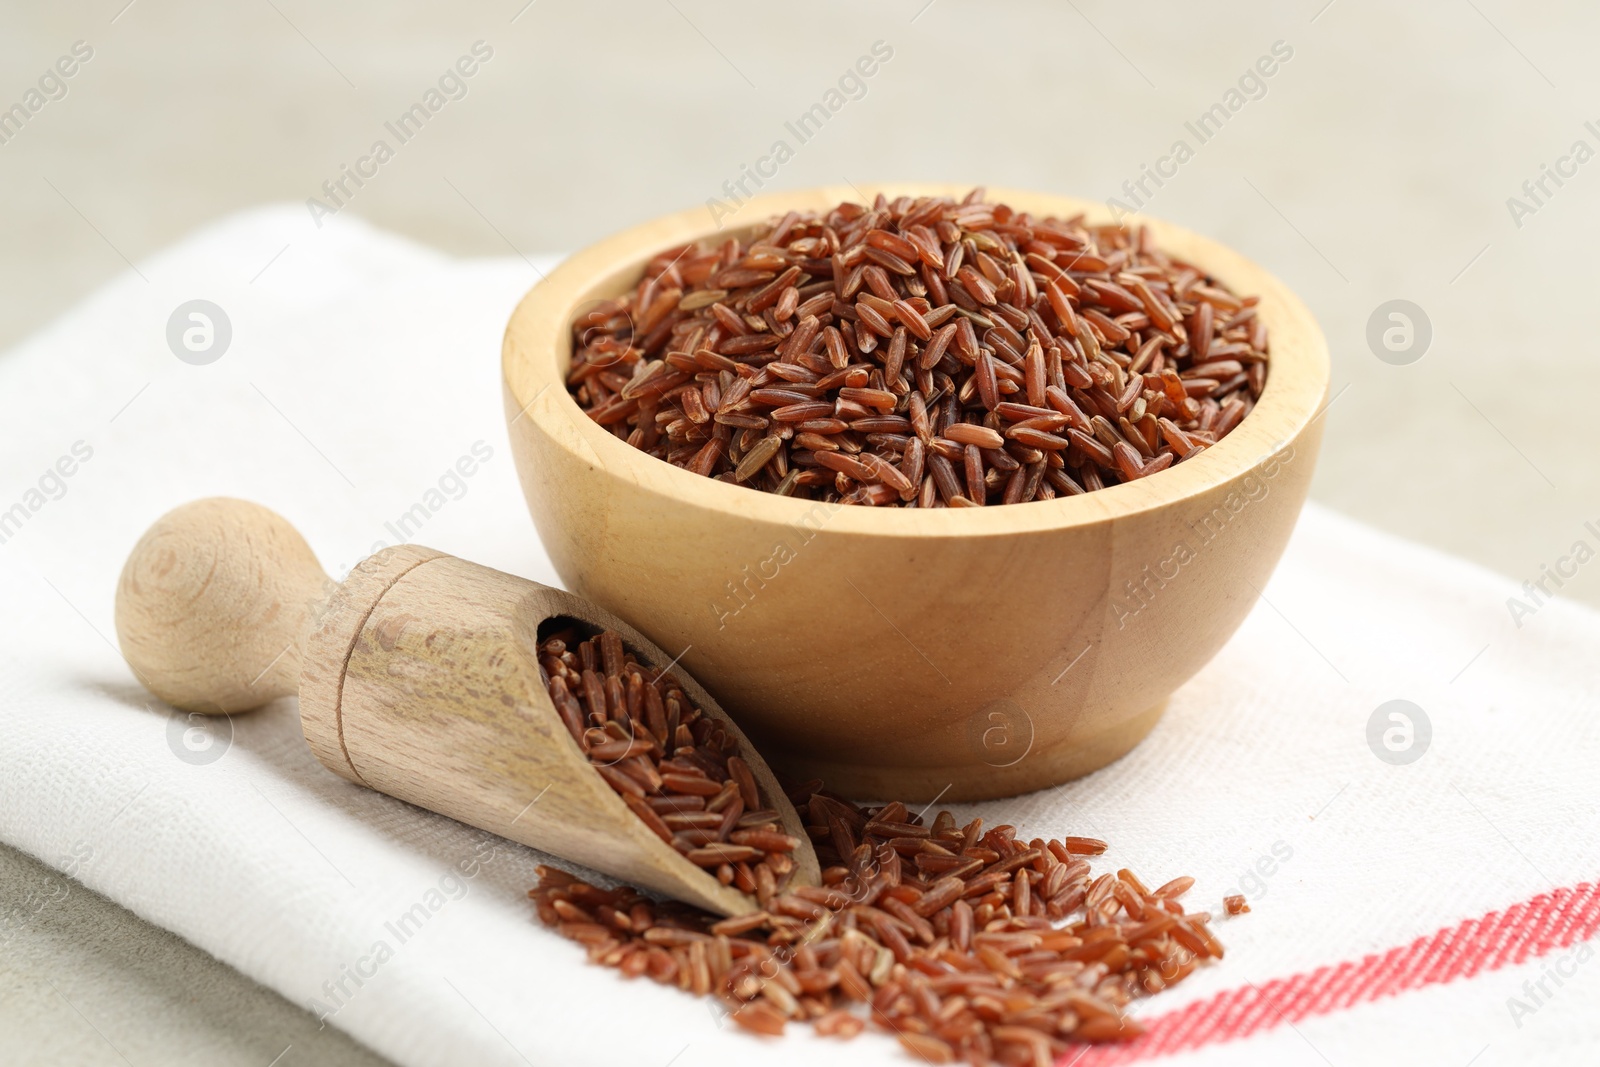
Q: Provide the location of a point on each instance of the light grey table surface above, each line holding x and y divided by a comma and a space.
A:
1378, 162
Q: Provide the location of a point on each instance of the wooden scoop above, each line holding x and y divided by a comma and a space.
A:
417, 676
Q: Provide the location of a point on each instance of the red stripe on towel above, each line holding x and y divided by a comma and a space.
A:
1521, 932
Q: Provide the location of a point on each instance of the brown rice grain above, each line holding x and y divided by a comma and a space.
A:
889, 299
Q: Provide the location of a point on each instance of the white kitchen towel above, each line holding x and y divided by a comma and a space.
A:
1436, 911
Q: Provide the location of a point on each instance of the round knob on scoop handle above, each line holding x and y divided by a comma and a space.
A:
214, 603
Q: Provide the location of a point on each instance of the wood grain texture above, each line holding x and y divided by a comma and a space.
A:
213, 603
906, 653
329, 644
417, 677
442, 705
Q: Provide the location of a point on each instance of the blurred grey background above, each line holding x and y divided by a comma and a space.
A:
1378, 162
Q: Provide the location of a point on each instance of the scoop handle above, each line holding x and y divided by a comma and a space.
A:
214, 604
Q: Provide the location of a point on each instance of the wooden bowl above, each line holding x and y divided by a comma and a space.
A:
908, 653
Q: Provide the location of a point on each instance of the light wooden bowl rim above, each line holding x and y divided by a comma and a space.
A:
537, 350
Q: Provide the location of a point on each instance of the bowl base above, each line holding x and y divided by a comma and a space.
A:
1071, 758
